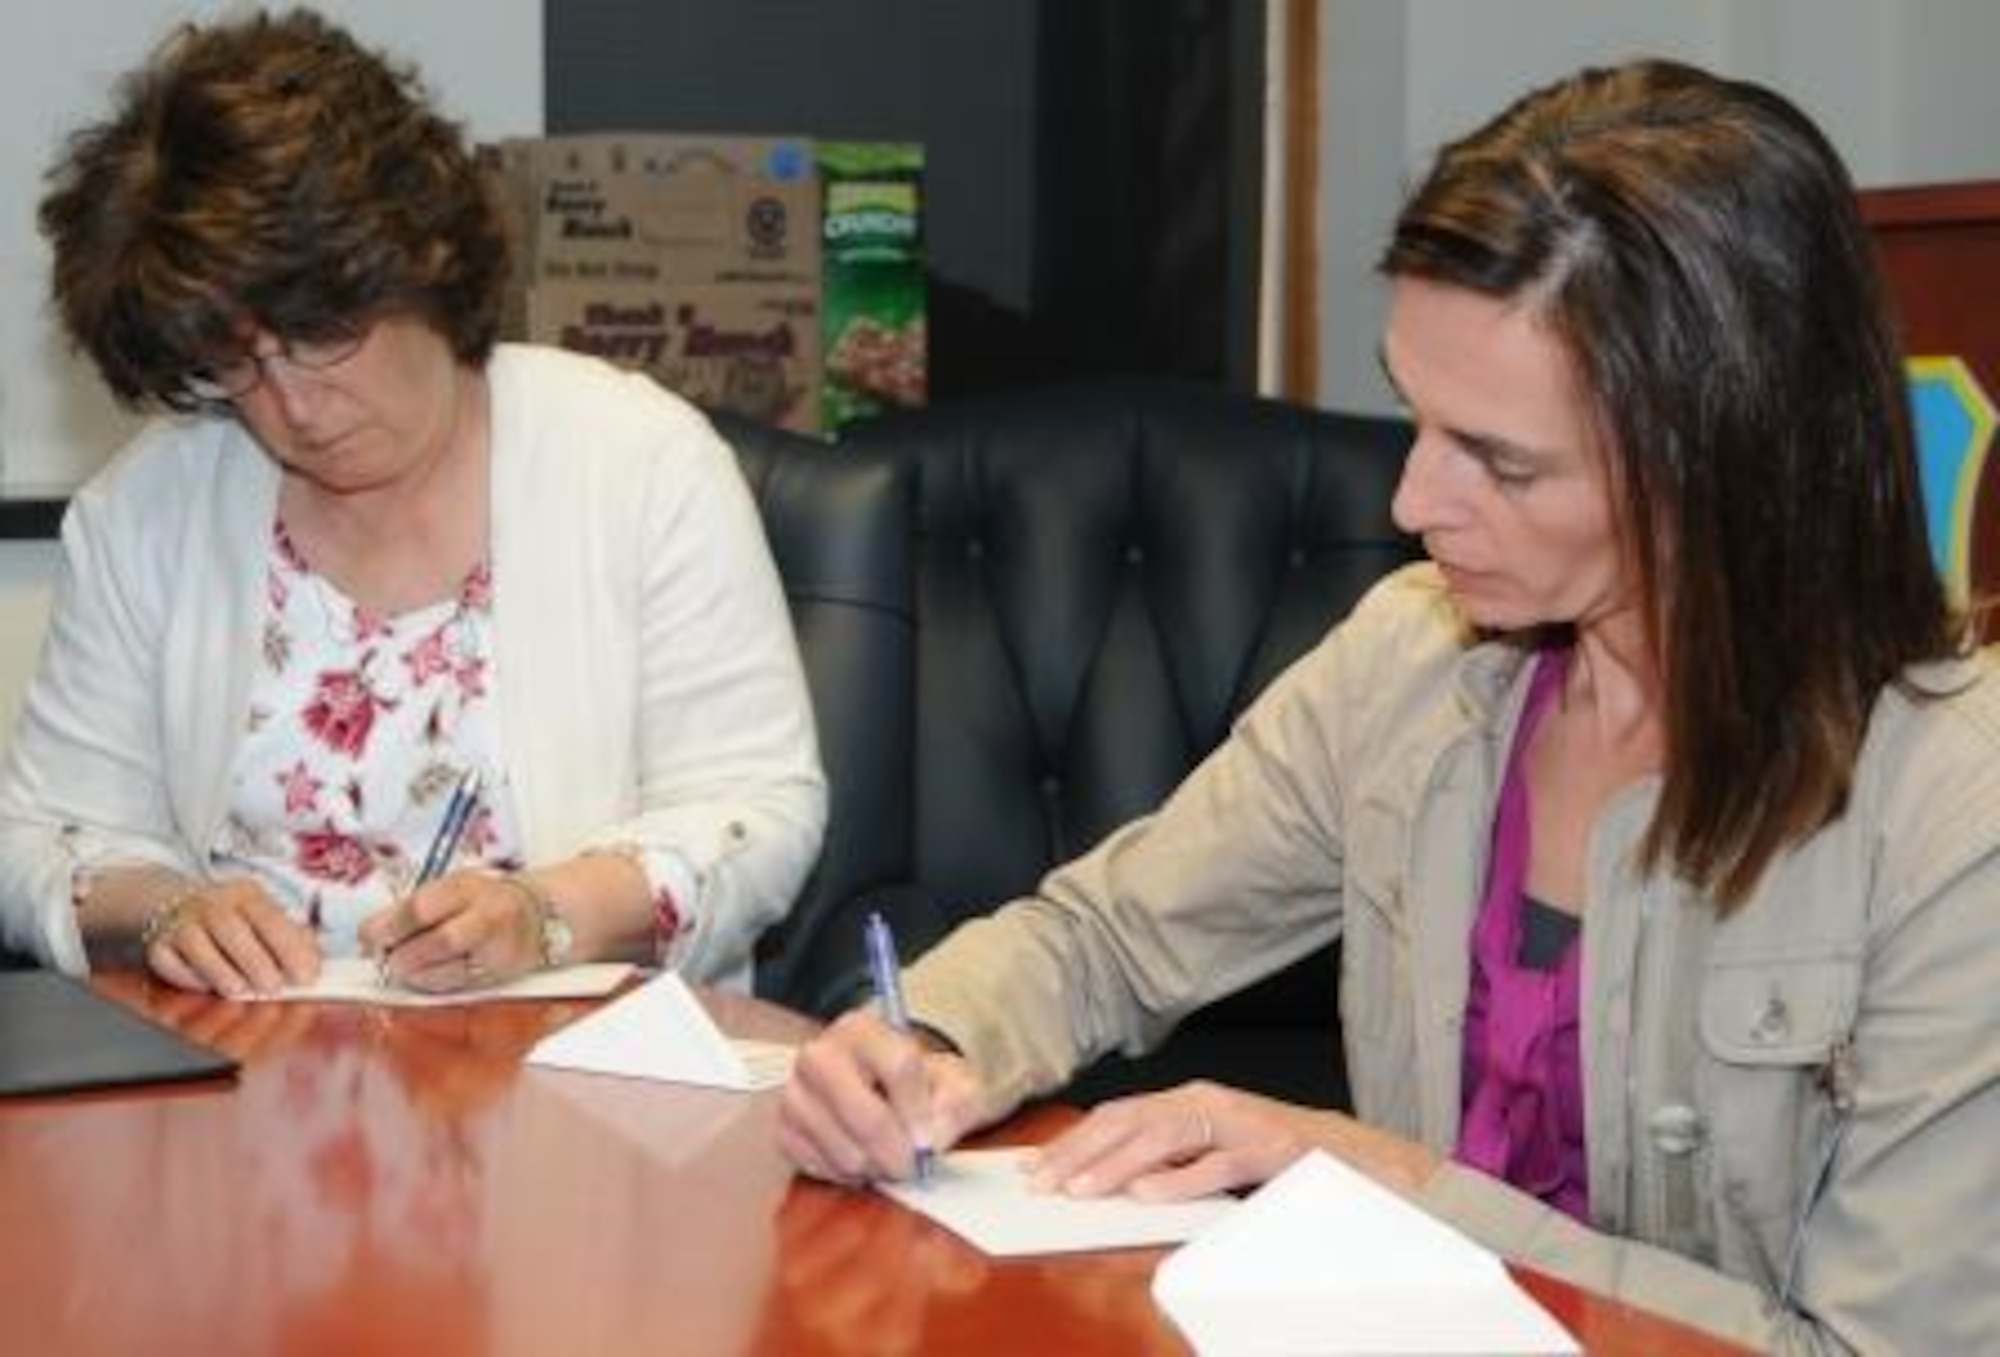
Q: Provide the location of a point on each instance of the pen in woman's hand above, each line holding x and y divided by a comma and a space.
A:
458, 810
886, 969
457, 814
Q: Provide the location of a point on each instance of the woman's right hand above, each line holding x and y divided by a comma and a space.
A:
230, 938
863, 1096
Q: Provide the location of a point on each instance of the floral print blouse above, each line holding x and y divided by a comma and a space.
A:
359, 726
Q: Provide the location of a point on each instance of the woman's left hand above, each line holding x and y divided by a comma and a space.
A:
466, 930
1203, 1138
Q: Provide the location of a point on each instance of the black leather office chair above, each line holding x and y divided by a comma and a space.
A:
1105, 575
840, 525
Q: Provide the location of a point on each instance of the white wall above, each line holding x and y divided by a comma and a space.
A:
1363, 171
482, 59
1903, 87
26, 571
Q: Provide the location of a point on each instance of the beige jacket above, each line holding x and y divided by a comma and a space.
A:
1793, 1114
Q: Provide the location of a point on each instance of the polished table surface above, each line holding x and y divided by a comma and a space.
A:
387, 1181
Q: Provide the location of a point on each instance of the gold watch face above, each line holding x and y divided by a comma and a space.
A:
557, 939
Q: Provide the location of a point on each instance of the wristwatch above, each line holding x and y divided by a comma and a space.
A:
557, 936
553, 936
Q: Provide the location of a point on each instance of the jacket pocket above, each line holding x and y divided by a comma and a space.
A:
1774, 1082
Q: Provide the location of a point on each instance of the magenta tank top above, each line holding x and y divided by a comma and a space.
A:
1523, 1077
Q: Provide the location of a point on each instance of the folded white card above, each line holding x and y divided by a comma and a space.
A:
661, 1031
983, 1197
358, 980
1324, 1260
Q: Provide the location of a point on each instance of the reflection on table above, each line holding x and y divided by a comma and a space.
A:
395, 1181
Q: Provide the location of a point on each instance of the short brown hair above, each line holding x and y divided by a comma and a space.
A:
267, 171
1695, 245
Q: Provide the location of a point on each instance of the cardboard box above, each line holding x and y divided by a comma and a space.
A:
658, 208
706, 261
509, 172
751, 350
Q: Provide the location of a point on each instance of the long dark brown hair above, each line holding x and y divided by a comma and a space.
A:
266, 172
1695, 245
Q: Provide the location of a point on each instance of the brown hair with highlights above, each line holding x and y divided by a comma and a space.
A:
1695, 245
266, 173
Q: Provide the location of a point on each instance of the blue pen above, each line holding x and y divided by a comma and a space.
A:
887, 971
457, 814
458, 810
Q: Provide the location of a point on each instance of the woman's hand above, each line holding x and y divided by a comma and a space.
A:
466, 930
231, 938
863, 1096
1203, 1138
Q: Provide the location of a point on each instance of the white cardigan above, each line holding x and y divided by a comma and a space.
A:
649, 683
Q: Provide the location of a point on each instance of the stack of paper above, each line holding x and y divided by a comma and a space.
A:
1324, 1260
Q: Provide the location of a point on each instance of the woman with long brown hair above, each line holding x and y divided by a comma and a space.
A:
1659, 812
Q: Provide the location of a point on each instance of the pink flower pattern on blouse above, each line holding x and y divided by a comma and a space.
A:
342, 710
330, 855
300, 787
358, 727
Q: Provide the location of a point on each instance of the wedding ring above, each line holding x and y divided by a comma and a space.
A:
476, 975
1205, 1131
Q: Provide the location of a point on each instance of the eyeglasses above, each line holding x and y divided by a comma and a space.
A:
238, 377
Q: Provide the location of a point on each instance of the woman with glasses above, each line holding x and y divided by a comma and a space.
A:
396, 640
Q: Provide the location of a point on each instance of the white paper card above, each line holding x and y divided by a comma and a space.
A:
358, 980
983, 1197
661, 1031
1323, 1259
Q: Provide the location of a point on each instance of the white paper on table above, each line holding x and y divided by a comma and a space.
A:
661, 1031
358, 980
983, 1197
1322, 1259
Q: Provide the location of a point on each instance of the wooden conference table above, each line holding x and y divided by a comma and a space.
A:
389, 1181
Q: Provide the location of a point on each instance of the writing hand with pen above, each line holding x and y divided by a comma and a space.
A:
872, 1097
456, 930
466, 930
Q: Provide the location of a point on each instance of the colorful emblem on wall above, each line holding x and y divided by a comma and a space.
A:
1955, 423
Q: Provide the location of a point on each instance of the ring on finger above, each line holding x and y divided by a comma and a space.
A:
475, 973
1204, 1131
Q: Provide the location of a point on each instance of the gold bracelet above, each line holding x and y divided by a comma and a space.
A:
164, 919
553, 936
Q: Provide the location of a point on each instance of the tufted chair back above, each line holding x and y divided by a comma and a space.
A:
840, 524
1106, 575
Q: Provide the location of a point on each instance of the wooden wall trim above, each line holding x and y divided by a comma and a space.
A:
1299, 360
1931, 205
1939, 245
